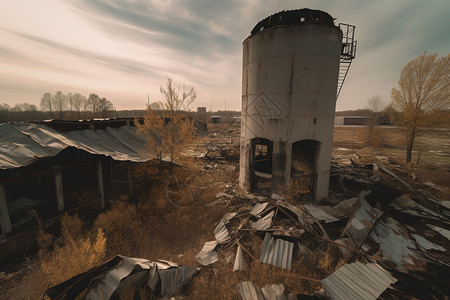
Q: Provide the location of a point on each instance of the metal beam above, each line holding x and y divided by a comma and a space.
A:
100, 183
59, 189
5, 221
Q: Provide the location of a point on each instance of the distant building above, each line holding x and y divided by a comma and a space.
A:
352, 120
201, 114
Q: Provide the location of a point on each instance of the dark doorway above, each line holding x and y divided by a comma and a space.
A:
261, 162
304, 166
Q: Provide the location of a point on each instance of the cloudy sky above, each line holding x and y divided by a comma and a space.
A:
125, 49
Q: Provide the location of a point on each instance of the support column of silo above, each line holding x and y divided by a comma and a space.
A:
245, 165
323, 171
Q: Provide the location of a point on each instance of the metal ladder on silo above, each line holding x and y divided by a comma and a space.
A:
348, 53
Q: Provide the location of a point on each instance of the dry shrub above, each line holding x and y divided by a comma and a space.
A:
72, 255
71, 227
122, 227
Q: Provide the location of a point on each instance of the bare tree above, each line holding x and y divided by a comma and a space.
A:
172, 100
77, 103
376, 104
85, 106
94, 104
167, 133
373, 135
60, 103
105, 106
47, 103
423, 92
157, 105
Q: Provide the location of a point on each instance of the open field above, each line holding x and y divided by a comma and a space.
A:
148, 226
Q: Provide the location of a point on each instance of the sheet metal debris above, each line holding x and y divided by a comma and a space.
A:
387, 171
426, 244
222, 194
444, 232
21, 144
357, 281
239, 262
264, 222
388, 233
361, 221
258, 208
250, 291
124, 274
272, 291
276, 252
319, 213
221, 232
207, 255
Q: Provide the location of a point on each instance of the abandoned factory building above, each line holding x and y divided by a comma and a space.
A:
50, 168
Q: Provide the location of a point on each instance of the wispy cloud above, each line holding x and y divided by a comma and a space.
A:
124, 49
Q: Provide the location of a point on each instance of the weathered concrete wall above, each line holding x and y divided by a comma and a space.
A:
289, 84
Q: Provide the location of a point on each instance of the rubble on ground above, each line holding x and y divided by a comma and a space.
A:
392, 237
392, 232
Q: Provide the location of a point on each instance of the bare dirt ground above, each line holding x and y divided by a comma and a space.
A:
155, 229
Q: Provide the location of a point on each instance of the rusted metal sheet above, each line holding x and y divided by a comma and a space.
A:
358, 281
276, 252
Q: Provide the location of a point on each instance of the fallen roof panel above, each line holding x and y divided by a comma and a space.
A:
276, 252
358, 281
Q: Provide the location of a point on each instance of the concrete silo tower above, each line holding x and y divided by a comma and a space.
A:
294, 64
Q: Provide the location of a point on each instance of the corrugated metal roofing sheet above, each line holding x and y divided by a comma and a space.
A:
239, 262
258, 208
358, 281
319, 213
276, 252
250, 291
395, 245
272, 291
21, 144
264, 222
207, 255
221, 232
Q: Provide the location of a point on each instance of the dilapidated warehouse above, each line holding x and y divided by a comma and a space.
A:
54, 167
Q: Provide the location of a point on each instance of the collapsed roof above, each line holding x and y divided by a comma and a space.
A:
22, 144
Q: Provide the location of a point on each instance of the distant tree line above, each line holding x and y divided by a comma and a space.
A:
20, 112
71, 106
76, 106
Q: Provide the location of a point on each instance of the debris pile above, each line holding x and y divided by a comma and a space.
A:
391, 237
393, 240
125, 277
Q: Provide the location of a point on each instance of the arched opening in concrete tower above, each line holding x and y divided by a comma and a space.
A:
261, 163
304, 166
